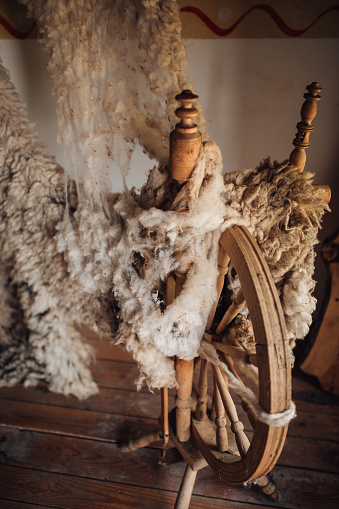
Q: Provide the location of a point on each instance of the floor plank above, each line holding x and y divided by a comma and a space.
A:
69, 421
105, 462
14, 504
60, 453
121, 402
72, 492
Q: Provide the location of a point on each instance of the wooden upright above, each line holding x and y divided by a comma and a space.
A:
185, 143
305, 127
302, 138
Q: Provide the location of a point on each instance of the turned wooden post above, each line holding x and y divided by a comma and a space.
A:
185, 143
305, 127
202, 397
237, 426
185, 140
302, 138
220, 420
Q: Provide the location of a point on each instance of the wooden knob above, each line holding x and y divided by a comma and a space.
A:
305, 127
185, 140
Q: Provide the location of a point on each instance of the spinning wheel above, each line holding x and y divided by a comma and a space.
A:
272, 358
214, 434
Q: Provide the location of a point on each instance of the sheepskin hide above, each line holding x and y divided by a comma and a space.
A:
64, 262
40, 302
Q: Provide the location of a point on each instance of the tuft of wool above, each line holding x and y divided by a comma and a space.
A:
133, 250
116, 68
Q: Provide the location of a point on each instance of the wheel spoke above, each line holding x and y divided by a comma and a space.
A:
231, 312
220, 420
248, 407
223, 262
237, 426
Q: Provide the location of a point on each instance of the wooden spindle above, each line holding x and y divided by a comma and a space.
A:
305, 127
202, 397
184, 376
185, 140
237, 304
220, 420
237, 426
169, 298
164, 417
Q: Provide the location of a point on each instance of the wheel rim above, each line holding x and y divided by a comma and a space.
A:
273, 364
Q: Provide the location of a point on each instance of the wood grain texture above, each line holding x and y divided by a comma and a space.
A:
44, 437
72, 492
101, 461
273, 362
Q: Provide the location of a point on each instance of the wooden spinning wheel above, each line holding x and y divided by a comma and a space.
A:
272, 358
215, 435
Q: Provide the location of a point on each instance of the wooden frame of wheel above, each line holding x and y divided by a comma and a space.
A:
273, 364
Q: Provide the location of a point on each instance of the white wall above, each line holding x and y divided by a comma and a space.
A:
251, 90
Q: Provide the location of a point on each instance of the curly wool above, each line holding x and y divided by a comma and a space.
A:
283, 212
40, 340
116, 68
67, 262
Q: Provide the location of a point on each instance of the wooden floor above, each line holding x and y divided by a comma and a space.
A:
57, 452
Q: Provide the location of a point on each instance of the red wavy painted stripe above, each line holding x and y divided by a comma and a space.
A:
15, 33
222, 32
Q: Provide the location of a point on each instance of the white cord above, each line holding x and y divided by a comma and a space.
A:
208, 352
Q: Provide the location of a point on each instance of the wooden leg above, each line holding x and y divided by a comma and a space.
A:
269, 488
140, 442
186, 488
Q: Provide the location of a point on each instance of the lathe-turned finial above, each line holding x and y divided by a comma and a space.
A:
305, 127
185, 140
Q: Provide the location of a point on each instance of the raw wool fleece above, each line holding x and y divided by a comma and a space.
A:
41, 303
135, 251
104, 261
281, 209
116, 67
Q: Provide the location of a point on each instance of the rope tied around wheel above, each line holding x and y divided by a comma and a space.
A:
208, 352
